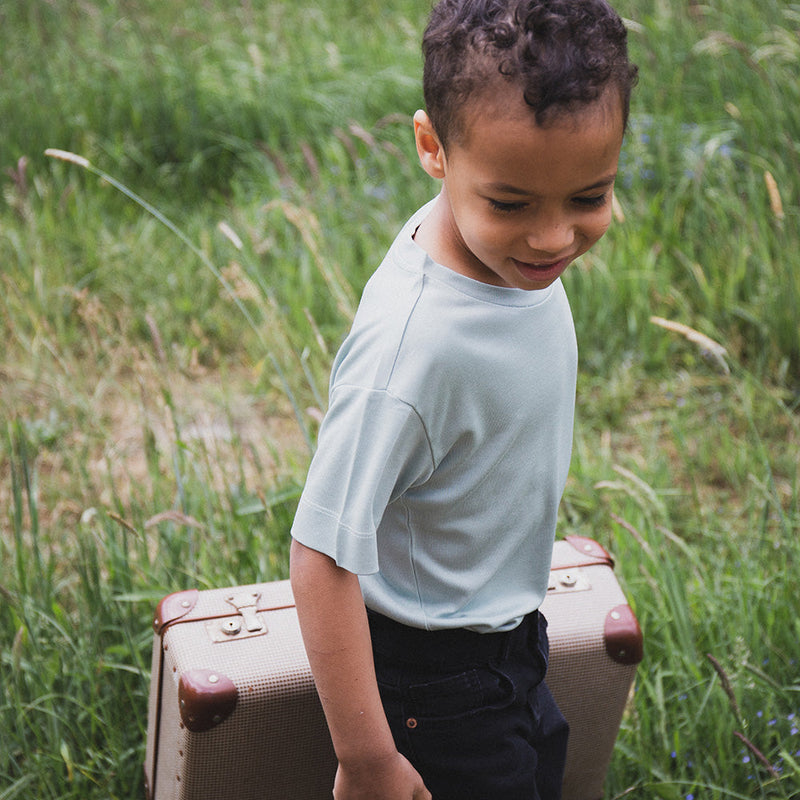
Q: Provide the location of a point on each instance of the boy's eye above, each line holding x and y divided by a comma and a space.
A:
591, 202
506, 207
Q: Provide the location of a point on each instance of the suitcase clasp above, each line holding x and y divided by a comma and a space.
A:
568, 580
246, 603
233, 628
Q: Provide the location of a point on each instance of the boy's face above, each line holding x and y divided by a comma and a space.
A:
520, 202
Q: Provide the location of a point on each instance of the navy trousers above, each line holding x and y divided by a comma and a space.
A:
472, 711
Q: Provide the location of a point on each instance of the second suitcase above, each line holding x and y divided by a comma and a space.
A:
234, 714
595, 645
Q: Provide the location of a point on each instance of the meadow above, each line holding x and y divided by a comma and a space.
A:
172, 294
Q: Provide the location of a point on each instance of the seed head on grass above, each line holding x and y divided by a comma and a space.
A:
775, 202
757, 753
230, 234
726, 685
65, 155
710, 349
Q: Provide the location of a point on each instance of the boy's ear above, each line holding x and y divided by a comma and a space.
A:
429, 148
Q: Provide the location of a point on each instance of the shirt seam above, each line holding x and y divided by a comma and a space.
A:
490, 302
413, 563
334, 516
389, 393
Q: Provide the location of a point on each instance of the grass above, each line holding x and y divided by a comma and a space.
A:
164, 370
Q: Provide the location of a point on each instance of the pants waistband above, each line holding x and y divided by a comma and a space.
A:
455, 645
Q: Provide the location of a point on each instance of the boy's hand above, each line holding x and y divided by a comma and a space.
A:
392, 779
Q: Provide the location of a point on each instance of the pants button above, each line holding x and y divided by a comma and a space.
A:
411, 723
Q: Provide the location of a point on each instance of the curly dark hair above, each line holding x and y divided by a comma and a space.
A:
562, 54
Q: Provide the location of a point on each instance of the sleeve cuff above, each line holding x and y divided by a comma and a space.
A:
320, 530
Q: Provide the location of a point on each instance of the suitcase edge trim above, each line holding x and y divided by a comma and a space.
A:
590, 550
623, 636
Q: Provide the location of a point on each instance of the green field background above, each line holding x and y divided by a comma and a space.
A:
172, 294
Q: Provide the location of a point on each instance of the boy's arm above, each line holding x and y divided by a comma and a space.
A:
333, 621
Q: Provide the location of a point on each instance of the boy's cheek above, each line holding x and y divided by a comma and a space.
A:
601, 228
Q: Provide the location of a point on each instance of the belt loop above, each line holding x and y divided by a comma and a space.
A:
519, 637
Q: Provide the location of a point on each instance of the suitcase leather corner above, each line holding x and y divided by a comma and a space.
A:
623, 636
206, 698
173, 607
593, 551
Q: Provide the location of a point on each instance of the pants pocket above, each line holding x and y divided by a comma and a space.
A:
461, 694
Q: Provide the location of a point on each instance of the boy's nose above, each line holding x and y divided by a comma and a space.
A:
552, 239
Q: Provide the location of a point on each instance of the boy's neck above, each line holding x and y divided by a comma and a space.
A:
433, 235
425, 234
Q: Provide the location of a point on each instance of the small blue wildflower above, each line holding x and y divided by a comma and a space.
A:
673, 754
746, 760
772, 722
759, 714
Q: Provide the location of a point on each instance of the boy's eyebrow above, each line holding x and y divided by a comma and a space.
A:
507, 188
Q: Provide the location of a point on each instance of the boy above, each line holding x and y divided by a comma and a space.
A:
423, 538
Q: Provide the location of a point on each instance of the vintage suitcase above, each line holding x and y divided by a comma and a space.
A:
234, 715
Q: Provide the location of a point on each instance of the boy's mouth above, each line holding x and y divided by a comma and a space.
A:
541, 271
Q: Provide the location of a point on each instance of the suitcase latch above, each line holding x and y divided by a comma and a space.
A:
241, 627
246, 603
568, 580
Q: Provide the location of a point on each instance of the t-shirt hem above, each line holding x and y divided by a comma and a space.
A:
319, 529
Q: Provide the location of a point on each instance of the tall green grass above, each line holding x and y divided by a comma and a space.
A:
165, 360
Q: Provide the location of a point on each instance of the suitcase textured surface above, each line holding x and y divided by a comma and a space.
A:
234, 714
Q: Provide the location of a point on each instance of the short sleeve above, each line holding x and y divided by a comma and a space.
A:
372, 447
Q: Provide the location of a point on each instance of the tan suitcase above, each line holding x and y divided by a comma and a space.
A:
234, 715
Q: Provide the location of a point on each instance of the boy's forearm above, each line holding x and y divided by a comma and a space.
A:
335, 631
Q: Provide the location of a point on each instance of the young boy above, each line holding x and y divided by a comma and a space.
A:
423, 538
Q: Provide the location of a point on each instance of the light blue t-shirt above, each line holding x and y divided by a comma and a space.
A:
445, 449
